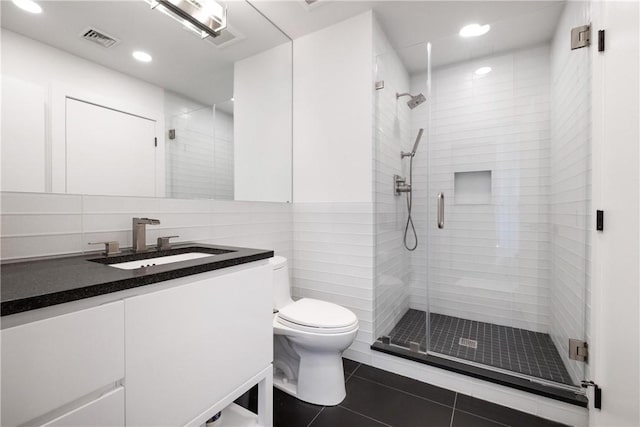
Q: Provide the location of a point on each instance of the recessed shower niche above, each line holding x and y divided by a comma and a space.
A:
472, 188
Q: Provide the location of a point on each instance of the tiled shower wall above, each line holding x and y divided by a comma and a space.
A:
570, 185
491, 262
200, 158
391, 136
36, 225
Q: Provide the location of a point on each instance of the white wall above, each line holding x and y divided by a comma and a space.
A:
392, 129
25, 165
333, 112
491, 261
333, 260
224, 156
39, 224
615, 355
570, 214
61, 74
262, 126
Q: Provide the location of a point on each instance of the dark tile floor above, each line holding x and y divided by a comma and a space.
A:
513, 349
378, 398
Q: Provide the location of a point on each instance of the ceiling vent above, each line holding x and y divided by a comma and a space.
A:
311, 4
99, 37
227, 37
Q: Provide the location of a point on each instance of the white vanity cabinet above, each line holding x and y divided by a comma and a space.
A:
55, 365
191, 346
170, 354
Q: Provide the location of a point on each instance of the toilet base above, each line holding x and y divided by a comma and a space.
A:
326, 389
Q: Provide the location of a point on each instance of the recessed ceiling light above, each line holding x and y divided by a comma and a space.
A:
483, 70
28, 5
474, 30
142, 56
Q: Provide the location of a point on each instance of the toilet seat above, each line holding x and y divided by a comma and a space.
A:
317, 316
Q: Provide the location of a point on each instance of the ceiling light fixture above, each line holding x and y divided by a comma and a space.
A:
205, 17
482, 71
474, 30
28, 5
142, 56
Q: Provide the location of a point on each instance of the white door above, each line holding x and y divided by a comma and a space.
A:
109, 152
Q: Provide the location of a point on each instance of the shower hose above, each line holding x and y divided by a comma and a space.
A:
409, 206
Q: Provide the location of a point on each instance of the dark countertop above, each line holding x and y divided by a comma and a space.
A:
36, 284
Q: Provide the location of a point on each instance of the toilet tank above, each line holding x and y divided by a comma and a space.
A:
281, 289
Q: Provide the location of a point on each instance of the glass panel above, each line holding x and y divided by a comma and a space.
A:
400, 253
509, 149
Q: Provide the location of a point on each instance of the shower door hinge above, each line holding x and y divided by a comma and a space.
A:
580, 37
578, 350
597, 393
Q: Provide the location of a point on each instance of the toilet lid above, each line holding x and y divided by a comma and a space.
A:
317, 314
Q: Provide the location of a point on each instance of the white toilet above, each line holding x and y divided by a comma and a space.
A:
309, 338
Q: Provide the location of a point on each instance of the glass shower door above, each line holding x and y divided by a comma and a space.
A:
509, 203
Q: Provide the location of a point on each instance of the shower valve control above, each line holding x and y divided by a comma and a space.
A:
400, 185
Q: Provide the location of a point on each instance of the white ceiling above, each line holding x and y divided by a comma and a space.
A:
204, 72
181, 61
414, 23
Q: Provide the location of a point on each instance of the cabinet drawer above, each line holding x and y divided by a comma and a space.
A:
106, 411
52, 362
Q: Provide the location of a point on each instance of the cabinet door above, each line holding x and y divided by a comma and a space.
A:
53, 362
106, 411
190, 346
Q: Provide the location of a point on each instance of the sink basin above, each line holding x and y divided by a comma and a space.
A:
160, 260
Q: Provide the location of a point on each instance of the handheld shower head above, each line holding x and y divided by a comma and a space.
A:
415, 144
414, 101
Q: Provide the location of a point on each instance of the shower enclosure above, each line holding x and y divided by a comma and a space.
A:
501, 205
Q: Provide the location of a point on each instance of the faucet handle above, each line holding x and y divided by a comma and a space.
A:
163, 242
110, 248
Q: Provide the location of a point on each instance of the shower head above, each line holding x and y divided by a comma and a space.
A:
414, 101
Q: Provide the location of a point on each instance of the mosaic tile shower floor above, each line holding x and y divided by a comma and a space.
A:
513, 349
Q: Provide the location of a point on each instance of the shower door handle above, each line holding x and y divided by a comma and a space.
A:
440, 210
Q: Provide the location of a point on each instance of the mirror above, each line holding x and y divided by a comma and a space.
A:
201, 118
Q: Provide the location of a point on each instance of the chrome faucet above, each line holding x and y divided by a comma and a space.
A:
140, 232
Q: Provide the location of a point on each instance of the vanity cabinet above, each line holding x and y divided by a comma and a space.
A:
170, 354
61, 362
191, 346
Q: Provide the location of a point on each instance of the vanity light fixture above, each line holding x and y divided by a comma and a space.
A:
474, 30
141, 56
205, 17
482, 71
28, 5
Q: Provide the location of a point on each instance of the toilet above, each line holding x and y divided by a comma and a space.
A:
309, 337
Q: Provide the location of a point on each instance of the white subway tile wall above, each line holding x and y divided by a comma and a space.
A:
570, 186
36, 225
333, 261
491, 262
392, 129
200, 157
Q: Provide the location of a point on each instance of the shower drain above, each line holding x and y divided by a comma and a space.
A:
466, 342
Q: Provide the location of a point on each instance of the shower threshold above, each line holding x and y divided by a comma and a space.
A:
513, 357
